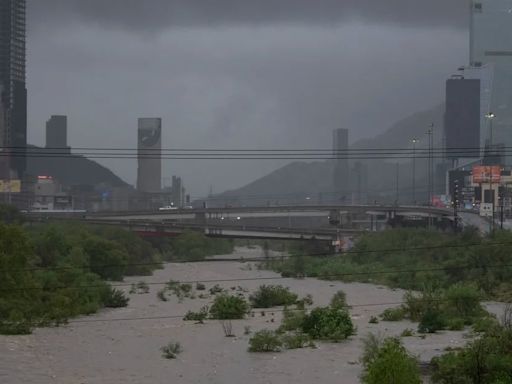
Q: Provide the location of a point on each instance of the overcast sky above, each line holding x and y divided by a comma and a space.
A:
236, 73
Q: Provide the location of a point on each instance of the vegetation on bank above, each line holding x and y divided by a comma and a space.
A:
452, 308
53, 272
485, 360
413, 259
192, 246
50, 273
388, 362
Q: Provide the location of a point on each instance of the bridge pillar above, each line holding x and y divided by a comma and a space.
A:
200, 217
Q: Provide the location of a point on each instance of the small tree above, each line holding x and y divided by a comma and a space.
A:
328, 324
392, 365
226, 307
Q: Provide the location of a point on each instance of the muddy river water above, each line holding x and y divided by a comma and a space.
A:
114, 347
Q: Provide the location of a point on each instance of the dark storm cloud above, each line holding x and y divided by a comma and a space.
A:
154, 15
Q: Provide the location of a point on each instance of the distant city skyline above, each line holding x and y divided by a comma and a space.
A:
239, 85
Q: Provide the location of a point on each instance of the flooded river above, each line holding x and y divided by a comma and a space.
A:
116, 346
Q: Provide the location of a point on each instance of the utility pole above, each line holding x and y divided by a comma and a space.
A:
501, 211
397, 182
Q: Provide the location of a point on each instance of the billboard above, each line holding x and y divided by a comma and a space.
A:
482, 174
10, 186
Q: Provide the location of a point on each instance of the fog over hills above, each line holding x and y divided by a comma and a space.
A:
298, 181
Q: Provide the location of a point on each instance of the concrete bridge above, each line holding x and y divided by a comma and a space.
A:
318, 222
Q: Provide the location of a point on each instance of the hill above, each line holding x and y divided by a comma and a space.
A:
71, 169
302, 180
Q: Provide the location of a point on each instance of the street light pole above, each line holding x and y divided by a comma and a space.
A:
414, 141
491, 117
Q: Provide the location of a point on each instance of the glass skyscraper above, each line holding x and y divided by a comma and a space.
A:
12, 85
491, 49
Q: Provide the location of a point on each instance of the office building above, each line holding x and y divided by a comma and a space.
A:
491, 47
341, 177
149, 154
462, 118
12, 83
57, 134
359, 183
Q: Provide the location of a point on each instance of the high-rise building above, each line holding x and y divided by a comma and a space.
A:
462, 118
149, 171
12, 83
341, 177
57, 134
491, 46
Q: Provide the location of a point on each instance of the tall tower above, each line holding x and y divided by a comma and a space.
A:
491, 46
12, 84
149, 154
341, 177
57, 134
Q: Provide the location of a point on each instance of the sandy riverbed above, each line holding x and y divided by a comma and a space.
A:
128, 351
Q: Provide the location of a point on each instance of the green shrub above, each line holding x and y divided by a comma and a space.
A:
416, 306
115, 298
463, 301
172, 350
328, 323
226, 307
141, 288
268, 296
407, 333
292, 320
486, 360
161, 294
216, 289
200, 287
393, 314
455, 324
392, 365
197, 316
485, 324
431, 322
339, 300
371, 346
15, 324
296, 340
265, 341
373, 320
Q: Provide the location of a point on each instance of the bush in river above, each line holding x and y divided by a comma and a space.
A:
116, 298
265, 341
268, 296
226, 307
393, 314
172, 350
391, 364
333, 324
339, 300
197, 316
